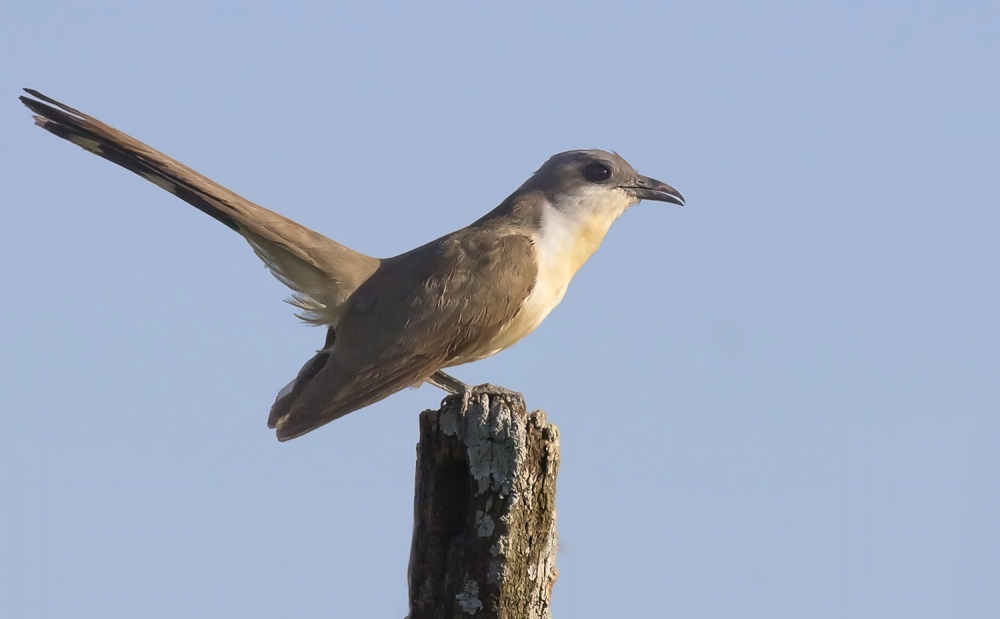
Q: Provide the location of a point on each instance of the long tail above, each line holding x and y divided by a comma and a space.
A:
322, 272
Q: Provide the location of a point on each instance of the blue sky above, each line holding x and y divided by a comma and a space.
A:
780, 400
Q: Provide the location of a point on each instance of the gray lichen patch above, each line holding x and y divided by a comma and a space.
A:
501, 547
468, 599
448, 421
495, 443
484, 524
492, 430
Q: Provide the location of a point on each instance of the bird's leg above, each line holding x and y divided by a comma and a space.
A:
453, 386
447, 382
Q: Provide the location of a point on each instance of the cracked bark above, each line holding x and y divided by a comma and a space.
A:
484, 535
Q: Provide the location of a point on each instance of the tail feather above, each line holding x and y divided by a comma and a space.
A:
107, 142
322, 272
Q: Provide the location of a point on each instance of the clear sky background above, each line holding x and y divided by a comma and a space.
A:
780, 400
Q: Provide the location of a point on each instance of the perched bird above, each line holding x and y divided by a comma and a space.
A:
396, 322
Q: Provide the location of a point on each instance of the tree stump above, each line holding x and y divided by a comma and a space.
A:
484, 536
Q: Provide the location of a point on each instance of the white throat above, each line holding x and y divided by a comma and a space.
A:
571, 230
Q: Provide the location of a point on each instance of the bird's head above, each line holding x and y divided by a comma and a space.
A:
597, 181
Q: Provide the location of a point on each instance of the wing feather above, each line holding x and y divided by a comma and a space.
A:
418, 313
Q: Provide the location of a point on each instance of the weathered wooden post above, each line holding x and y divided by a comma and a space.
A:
484, 537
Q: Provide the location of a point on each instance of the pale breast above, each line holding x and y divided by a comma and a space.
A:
564, 241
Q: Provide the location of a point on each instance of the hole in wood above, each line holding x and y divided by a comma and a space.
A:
449, 511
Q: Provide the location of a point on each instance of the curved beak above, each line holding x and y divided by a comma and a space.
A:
646, 188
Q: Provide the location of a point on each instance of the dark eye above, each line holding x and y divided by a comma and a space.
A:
597, 172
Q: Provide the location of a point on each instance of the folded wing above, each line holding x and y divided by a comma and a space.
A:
444, 303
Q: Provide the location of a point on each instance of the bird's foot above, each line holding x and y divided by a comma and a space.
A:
467, 393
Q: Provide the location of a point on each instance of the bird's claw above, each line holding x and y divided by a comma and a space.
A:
468, 393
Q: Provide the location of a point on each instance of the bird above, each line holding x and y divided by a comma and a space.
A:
398, 322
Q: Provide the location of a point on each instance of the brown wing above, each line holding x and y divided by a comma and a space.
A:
417, 312
323, 272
